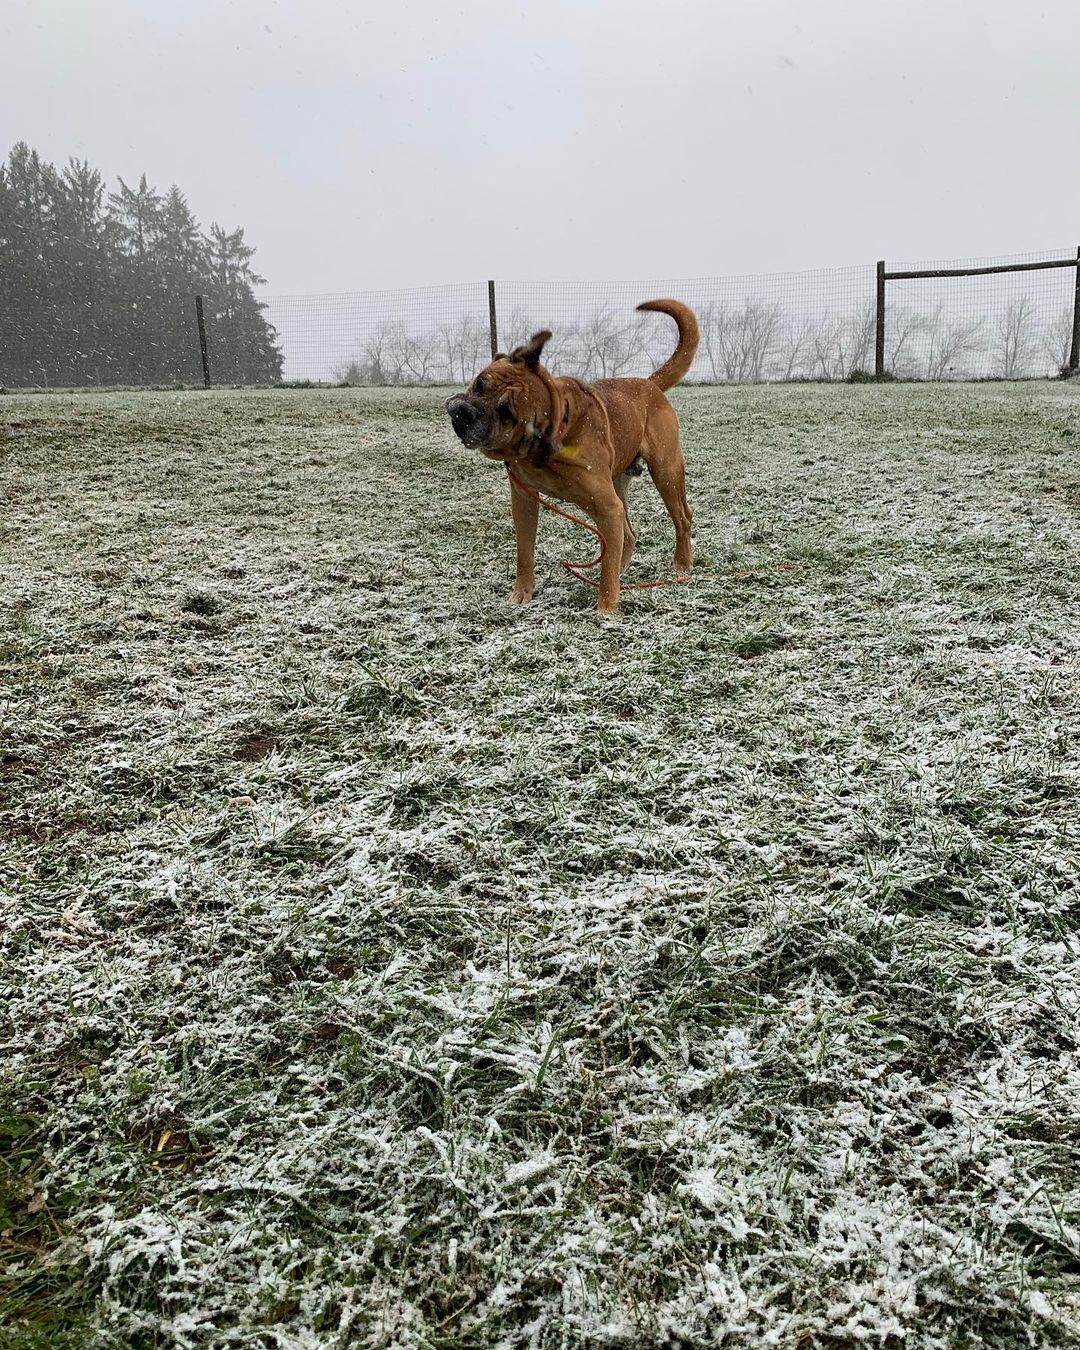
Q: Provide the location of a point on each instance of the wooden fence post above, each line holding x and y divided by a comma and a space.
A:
491, 320
202, 342
879, 326
1074, 350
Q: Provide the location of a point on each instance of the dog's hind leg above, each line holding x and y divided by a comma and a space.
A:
622, 487
664, 459
670, 480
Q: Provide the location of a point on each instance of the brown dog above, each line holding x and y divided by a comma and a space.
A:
581, 443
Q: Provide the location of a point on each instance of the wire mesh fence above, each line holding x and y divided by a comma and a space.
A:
429, 335
778, 326
775, 326
1007, 325
825, 324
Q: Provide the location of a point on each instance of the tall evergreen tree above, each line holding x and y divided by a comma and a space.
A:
82, 277
181, 255
99, 287
137, 213
243, 350
36, 324
9, 282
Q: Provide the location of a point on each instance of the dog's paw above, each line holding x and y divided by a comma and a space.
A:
521, 595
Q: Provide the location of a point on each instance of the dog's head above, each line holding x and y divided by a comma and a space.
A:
512, 409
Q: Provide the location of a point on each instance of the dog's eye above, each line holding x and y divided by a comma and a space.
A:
479, 385
505, 411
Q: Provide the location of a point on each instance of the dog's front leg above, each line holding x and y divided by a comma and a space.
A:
524, 510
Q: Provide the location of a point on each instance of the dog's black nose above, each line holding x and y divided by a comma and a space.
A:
468, 422
461, 414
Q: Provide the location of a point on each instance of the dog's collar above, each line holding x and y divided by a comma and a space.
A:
558, 435
552, 447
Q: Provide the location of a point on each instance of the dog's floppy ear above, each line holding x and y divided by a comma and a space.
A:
529, 355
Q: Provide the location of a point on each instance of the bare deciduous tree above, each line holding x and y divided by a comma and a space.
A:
827, 348
463, 346
861, 336
1056, 338
351, 372
608, 349
516, 326
1015, 338
375, 366
418, 358
760, 329
903, 328
713, 322
740, 344
949, 340
710, 320
795, 351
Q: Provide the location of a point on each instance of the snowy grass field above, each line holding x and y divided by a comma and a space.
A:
386, 966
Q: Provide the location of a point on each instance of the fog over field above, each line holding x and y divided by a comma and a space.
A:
366, 147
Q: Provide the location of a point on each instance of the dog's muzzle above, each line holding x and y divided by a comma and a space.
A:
470, 425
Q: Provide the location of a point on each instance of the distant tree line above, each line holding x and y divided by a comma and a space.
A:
98, 287
754, 340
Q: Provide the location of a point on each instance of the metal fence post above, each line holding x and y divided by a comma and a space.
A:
879, 334
202, 342
1074, 350
491, 320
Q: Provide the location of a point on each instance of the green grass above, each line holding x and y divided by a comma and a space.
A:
46, 1291
383, 965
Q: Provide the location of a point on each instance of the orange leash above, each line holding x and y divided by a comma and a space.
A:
572, 568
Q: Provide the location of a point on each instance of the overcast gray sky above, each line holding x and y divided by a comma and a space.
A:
377, 144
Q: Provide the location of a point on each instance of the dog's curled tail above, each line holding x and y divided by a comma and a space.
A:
682, 358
